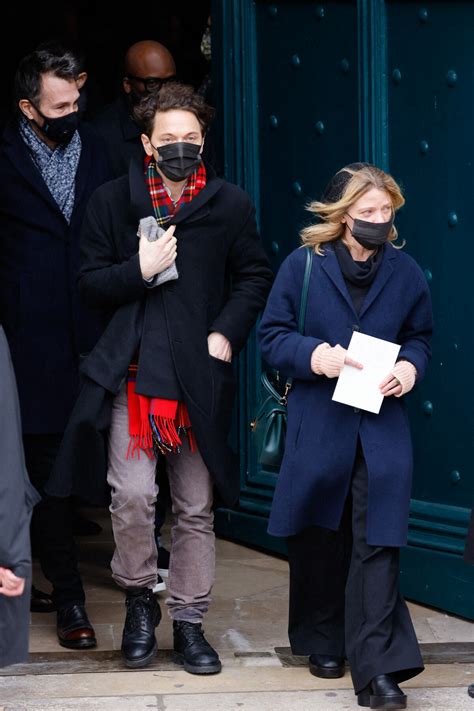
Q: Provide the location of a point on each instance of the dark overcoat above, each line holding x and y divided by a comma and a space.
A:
322, 435
224, 279
121, 136
44, 323
17, 498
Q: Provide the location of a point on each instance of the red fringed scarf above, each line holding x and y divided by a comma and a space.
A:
157, 425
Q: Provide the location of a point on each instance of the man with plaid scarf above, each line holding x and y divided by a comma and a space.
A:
171, 255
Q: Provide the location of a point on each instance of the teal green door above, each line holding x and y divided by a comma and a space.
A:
306, 88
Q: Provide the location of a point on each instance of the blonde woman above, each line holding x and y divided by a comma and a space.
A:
343, 493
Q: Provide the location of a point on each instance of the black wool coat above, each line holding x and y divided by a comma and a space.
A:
17, 498
46, 326
224, 279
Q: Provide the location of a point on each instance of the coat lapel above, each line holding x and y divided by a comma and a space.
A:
384, 273
84, 169
333, 270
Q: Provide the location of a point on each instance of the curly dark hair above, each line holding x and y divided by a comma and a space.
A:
171, 96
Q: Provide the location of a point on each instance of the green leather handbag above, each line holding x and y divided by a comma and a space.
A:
269, 424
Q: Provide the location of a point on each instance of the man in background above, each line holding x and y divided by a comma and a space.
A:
49, 167
148, 65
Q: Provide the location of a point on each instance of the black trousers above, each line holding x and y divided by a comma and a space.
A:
51, 533
344, 595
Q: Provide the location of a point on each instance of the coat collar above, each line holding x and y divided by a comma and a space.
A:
333, 270
130, 130
17, 152
141, 205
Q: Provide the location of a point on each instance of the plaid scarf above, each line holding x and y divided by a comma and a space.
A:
156, 425
163, 205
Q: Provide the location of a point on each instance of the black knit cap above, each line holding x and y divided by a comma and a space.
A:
335, 188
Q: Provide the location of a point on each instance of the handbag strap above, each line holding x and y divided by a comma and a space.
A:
305, 289
302, 314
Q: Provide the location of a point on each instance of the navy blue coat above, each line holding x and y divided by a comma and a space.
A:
322, 435
39, 261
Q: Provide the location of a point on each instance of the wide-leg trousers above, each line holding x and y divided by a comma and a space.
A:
344, 595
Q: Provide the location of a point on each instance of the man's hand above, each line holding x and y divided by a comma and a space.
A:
157, 256
10, 585
219, 347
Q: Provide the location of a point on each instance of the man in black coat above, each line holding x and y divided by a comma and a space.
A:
49, 166
148, 65
17, 497
179, 306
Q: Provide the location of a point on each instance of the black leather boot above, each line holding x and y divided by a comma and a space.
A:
192, 650
326, 666
138, 639
382, 693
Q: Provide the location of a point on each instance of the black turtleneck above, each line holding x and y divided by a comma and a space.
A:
357, 275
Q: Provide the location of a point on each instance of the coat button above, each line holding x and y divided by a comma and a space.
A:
356, 327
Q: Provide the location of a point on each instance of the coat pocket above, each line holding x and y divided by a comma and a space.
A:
224, 387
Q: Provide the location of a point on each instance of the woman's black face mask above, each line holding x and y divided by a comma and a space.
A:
370, 234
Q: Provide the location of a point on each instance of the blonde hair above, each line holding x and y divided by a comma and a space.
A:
360, 180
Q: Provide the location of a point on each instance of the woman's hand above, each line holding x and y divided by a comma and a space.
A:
219, 347
10, 585
329, 361
157, 256
390, 386
400, 381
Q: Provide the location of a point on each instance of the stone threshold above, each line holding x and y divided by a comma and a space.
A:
102, 662
432, 653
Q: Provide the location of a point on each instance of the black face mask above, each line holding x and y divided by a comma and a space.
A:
60, 129
178, 160
370, 234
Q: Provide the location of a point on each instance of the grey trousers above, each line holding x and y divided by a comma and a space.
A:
134, 493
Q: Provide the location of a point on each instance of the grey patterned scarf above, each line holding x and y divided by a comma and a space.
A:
58, 167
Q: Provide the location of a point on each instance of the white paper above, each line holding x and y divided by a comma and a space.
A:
361, 388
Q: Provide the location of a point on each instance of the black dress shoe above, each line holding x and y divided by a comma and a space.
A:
192, 650
382, 693
470, 690
74, 629
326, 666
41, 601
138, 639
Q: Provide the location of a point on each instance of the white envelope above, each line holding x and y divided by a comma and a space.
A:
361, 388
